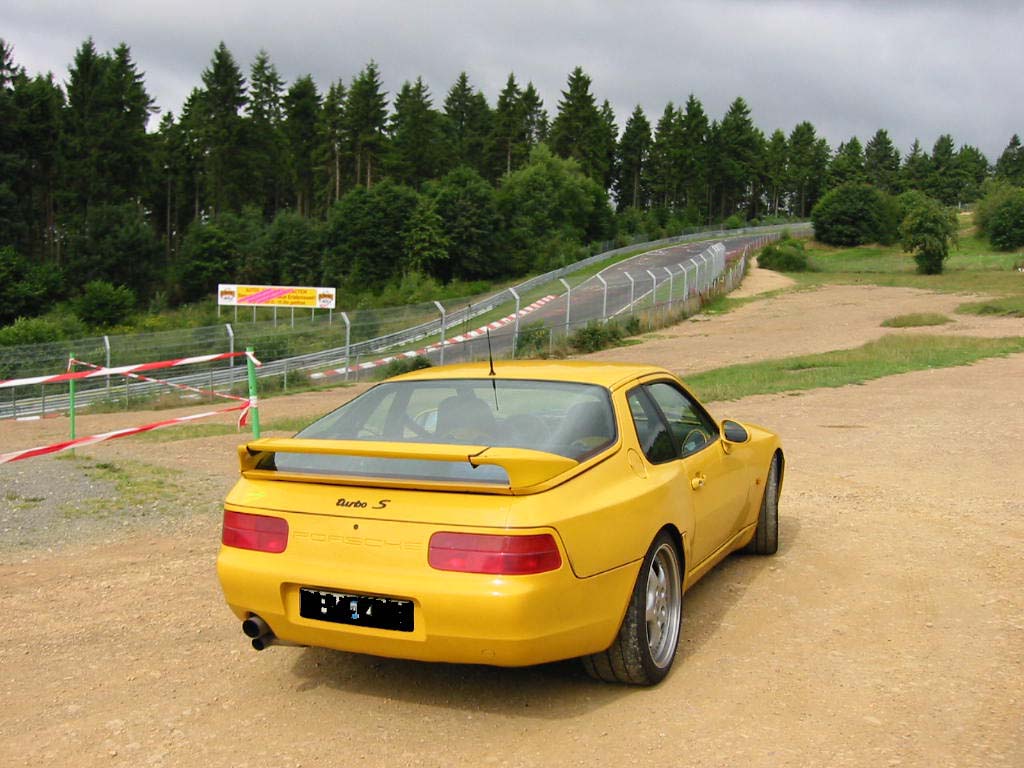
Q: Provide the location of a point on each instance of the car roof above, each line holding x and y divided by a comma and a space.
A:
605, 374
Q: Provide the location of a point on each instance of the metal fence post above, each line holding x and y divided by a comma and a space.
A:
604, 300
231, 360
654, 291
568, 302
515, 333
106, 347
440, 308
348, 344
671, 286
632, 290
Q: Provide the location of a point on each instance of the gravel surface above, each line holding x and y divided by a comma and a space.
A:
887, 631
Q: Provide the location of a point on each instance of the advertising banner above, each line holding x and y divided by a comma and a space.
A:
232, 295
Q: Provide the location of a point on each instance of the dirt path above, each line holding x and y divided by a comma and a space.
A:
887, 631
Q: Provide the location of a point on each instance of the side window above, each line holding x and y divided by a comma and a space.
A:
651, 429
691, 426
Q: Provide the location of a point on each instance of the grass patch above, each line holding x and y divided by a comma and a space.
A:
916, 320
137, 488
885, 357
1007, 306
196, 431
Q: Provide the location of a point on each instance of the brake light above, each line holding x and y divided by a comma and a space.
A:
486, 553
259, 532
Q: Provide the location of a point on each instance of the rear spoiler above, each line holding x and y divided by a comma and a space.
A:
526, 468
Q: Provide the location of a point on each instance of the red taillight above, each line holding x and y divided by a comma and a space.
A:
485, 553
260, 532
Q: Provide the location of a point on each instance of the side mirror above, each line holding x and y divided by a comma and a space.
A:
734, 432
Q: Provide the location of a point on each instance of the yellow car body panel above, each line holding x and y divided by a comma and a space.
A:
370, 534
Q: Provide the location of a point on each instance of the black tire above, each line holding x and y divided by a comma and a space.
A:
766, 537
645, 647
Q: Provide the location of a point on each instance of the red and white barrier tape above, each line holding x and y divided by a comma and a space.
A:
182, 387
80, 442
124, 369
481, 331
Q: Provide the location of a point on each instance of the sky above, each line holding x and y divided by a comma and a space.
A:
918, 68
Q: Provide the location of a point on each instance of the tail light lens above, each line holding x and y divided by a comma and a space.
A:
486, 553
259, 532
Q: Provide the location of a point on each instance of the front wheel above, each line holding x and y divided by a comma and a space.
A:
645, 647
766, 536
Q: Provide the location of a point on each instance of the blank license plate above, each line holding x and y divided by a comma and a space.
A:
359, 610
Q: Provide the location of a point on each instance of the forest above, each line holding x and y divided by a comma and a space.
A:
106, 211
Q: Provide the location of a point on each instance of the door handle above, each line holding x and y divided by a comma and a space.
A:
697, 482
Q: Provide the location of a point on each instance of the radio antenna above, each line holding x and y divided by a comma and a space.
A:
490, 353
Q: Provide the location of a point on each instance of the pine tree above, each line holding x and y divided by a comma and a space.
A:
223, 96
536, 116
507, 147
302, 114
124, 151
469, 123
692, 158
847, 167
426, 245
1010, 165
775, 169
38, 105
332, 148
972, 168
83, 130
633, 152
739, 148
266, 144
663, 178
579, 131
944, 182
916, 170
607, 142
806, 165
418, 149
13, 227
882, 162
366, 118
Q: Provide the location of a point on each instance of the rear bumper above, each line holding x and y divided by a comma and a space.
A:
458, 617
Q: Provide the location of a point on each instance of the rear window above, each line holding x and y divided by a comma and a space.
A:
568, 419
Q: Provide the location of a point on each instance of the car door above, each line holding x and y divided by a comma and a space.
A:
714, 478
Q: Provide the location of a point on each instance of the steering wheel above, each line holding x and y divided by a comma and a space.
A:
696, 435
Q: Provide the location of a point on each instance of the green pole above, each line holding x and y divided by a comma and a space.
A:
254, 405
71, 395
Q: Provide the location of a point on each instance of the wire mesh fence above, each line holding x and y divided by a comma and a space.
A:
294, 344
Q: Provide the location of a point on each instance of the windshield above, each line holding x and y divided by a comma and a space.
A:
569, 419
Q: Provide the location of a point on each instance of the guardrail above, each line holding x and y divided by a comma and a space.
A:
352, 353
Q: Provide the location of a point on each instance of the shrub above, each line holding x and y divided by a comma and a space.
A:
785, 255
854, 214
927, 231
103, 305
533, 340
734, 222
405, 365
595, 336
31, 330
1006, 223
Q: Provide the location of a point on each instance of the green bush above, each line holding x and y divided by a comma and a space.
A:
595, 336
405, 365
734, 222
1006, 224
927, 232
785, 255
854, 214
534, 339
31, 330
103, 305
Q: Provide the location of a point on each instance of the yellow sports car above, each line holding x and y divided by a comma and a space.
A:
544, 511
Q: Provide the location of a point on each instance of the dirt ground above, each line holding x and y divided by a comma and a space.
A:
887, 631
